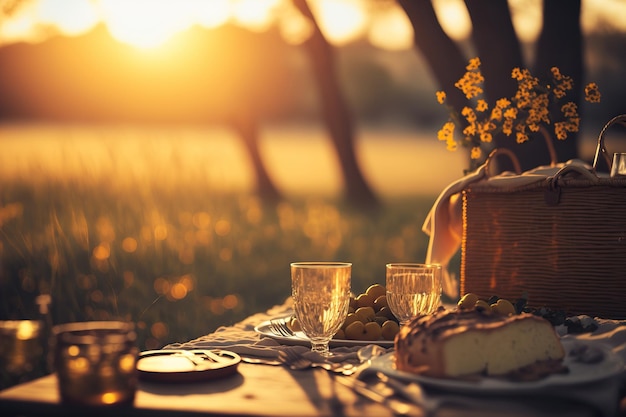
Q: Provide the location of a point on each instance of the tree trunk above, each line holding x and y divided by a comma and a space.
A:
445, 58
336, 113
247, 127
496, 44
560, 45
499, 49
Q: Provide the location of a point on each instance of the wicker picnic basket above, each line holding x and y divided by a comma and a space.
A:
561, 241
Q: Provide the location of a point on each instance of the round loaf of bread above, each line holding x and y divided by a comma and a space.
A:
454, 343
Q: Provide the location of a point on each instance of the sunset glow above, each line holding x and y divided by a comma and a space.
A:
391, 30
145, 23
151, 23
82, 18
341, 21
454, 18
254, 14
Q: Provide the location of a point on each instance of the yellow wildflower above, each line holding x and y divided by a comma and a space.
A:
556, 73
441, 97
560, 130
476, 152
521, 137
473, 64
569, 109
485, 129
496, 114
510, 114
481, 105
563, 83
470, 130
592, 93
469, 114
446, 132
507, 127
523, 113
503, 103
470, 84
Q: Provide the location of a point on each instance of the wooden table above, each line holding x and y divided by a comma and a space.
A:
256, 390
259, 391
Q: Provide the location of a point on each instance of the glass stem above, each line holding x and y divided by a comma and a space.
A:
321, 348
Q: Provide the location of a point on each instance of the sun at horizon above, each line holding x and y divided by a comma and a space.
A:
144, 23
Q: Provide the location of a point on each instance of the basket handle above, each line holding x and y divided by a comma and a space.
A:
582, 171
515, 160
549, 145
601, 149
502, 151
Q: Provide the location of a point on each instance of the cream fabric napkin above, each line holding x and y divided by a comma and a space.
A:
444, 222
242, 339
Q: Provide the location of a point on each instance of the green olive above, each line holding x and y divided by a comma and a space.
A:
468, 301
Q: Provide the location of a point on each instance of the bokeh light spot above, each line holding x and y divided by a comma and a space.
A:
216, 306
159, 330
230, 301
129, 244
222, 227
187, 281
202, 220
160, 232
161, 286
178, 291
102, 251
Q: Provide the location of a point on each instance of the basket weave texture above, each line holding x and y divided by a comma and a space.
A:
563, 243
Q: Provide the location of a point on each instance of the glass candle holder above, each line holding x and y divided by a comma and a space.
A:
96, 363
21, 350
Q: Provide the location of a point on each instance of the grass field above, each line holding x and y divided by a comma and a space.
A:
179, 266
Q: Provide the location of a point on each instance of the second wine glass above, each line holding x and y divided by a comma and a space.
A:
413, 289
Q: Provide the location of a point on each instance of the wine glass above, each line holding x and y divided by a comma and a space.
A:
321, 295
413, 289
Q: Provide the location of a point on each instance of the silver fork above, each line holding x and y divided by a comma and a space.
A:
279, 327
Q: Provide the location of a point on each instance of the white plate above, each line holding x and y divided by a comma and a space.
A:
299, 338
579, 373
